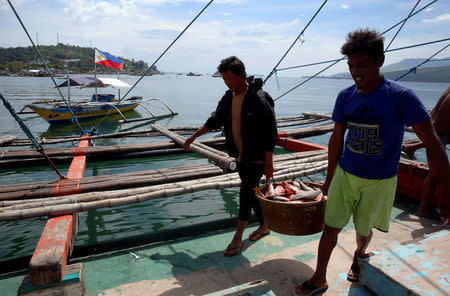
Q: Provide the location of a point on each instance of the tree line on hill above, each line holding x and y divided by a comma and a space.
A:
61, 58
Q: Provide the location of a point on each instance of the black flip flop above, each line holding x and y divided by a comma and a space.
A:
314, 290
355, 277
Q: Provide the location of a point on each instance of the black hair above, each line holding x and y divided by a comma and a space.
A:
233, 64
364, 41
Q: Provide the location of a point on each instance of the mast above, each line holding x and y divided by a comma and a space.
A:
118, 76
95, 74
68, 87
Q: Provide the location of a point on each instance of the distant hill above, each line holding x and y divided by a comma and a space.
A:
407, 64
436, 74
61, 58
433, 71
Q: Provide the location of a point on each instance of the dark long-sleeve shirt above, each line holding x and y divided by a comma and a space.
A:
258, 124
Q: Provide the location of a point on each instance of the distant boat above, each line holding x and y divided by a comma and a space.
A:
98, 105
58, 111
193, 74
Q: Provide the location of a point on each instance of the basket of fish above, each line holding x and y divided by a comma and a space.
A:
292, 207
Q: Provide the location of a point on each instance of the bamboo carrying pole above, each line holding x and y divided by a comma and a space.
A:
210, 153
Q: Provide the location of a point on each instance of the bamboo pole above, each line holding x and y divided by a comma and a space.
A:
302, 122
107, 178
104, 199
224, 161
133, 179
102, 151
280, 167
183, 130
6, 140
316, 115
308, 132
97, 150
114, 184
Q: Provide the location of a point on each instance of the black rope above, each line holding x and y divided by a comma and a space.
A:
403, 23
425, 7
338, 60
43, 62
295, 41
29, 134
326, 68
426, 61
154, 63
389, 50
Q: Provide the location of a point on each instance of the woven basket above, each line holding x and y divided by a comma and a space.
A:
293, 218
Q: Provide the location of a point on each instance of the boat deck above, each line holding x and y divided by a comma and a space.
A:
196, 265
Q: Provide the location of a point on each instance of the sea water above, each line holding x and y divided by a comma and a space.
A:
194, 98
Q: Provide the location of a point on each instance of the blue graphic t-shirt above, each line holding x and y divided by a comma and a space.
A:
376, 122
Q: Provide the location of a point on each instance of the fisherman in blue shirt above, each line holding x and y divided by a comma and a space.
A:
362, 171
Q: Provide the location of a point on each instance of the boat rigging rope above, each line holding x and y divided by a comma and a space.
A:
403, 23
414, 69
154, 63
338, 60
27, 131
45, 65
389, 50
293, 43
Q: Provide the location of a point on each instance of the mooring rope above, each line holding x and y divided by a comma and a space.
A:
27, 131
295, 41
338, 60
154, 63
414, 69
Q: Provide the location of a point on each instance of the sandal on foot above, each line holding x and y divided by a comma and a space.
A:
313, 290
257, 235
354, 273
231, 251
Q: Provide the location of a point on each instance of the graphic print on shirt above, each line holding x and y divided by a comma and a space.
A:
364, 138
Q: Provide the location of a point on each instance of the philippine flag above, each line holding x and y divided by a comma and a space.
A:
105, 59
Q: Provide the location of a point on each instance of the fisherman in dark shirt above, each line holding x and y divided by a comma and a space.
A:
246, 113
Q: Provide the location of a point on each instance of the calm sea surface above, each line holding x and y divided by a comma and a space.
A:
194, 98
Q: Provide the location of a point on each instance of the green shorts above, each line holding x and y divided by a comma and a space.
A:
369, 200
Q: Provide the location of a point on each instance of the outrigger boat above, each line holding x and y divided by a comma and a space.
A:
99, 105
58, 111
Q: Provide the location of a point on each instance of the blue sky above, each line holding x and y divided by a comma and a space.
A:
259, 32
